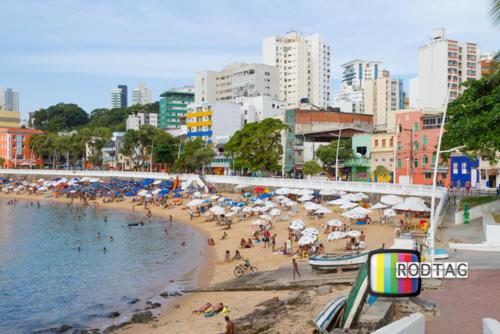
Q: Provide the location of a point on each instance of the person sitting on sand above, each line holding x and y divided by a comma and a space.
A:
203, 308
227, 257
212, 242
249, 243
237, 255
243, 243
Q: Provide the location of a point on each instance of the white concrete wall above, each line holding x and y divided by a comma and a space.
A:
477, 211
413, 324
491, 326
491, 229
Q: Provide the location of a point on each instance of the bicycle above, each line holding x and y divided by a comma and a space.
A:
244, 269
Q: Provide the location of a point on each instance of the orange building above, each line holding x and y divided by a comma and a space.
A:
14, 148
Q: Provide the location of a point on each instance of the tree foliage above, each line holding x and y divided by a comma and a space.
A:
381, 171
95, 139
115, 118
196, 154
328, 153
60, 117
138, 144
257, 147
474, 118
311, 167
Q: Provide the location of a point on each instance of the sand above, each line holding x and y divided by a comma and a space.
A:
179, 319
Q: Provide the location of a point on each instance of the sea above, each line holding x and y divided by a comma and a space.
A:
59, 265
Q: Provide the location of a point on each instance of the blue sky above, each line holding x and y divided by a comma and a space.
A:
76, 51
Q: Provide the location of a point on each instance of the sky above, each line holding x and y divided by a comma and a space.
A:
76, 51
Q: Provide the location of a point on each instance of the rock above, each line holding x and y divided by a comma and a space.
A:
164, 294
177, 306
133, 301
324, 290
114, 314
153, 305
142, 317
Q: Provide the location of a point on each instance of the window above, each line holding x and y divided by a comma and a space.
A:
415, 127
428, 176
400, 164
415, 145
400, 147
455, 168
383, 142
464, 168
425, 140
433, 158
415, 163
376, 142
391, 142
425, 160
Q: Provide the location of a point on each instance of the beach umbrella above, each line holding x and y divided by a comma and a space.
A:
306, 240
310, 231
323, 210
94, 180
389, 213
297, 224
391, 199
195, 202
214, 197
240, 186
283, 191
130, 193
197, 195
334, 222
231, 214
328, 192
412, 204
275, 212
157, 182
163, 192
217, 210
156, 191
258, 222
361, 211
348, 205
290, 203
352, 215
339, 201
142, 193
378, 206
305, 198
337, 235
309, 206
266, 217
247, 209
246, 195
353, 234
259, 189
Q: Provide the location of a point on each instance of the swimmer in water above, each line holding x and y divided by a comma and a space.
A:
183, 243
111, 238
104, 249
105, 219
79, 248
98, 235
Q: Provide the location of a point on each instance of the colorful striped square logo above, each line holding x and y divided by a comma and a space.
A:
382, 275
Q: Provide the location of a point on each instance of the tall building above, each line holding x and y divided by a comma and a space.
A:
115, 96
2, 98
10, 100
173, 104
123, 96
350, 97
381, 99
304, 67
235, 81
443, 63
141, 95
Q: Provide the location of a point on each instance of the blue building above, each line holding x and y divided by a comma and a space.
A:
123, 96
463, 170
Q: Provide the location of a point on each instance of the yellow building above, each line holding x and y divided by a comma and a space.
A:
10, 119
382, 154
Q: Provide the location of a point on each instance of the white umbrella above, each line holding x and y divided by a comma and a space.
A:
214, 197
217, 210
354, 234
328, 192
195, 202
156, 191
307, 192
142, 193
311, 206
391, 199
349, 205
230, 214
361, 211
334, 222
305, 198
258, 209
310, 231
337, 235
40, 180
297, 224
339, 201
389, 213
247, 209
306, 240
378, 206
275, 212
94, 180
412, 204
197, 194
157, 182
266, 217
352, 215
290, 203
282, 191
323, 210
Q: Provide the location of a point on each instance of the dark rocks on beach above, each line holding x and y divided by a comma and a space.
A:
134, 301
113, 314
54, 330
152, 306
164, 294
142, 317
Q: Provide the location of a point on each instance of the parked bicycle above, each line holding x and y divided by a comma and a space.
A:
244, 269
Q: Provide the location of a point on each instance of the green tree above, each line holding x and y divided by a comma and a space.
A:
257, 147
71, 147
196, 154
2, 162
165, 152
495, 11
328, 153
95, 139
37, 146
60, 117
474, 118
138, 145
381, 171
311, 168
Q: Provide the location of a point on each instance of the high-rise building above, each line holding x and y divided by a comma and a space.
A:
350, 97
444, 63
173, 104
123, 96
141, 95
115, 98
10, 100
381, 99
2, 98
235, 81
304, 68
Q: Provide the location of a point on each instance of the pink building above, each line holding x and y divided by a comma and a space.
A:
417, 139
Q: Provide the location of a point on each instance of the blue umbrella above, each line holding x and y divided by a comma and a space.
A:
163, 192
247, 195
130, 193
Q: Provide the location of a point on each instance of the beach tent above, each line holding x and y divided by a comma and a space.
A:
391, 199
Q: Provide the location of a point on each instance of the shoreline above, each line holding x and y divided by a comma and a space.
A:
202, 276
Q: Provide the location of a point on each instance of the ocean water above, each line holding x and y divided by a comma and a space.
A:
45, 281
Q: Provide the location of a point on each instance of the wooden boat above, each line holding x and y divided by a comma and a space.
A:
356, 299
337, 261
331, 315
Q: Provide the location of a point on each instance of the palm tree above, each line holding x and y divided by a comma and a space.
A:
495, 11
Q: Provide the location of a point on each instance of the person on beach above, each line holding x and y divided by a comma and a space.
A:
237, 255
249, 243
110, 238
170, 218
243, 243
104, 249
98, 235
295, 268
227, 257
229, 326
224, 236
105, 219
273, 241
190, 214
183, 243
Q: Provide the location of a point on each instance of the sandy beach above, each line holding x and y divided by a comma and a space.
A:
178, 317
